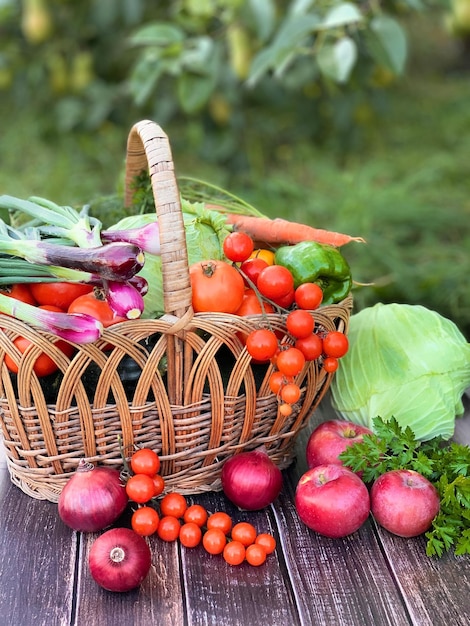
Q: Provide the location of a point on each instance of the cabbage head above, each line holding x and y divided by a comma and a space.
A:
404, 361
205, 232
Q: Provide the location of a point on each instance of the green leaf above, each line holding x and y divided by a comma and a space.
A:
194, 91
341, 15
337, 60
197, 55
145, 77
263, 17
388, 44
157, 34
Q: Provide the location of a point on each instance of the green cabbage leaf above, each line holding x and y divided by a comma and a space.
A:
404, 361
205, 231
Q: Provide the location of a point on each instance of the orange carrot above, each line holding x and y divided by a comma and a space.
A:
278, 231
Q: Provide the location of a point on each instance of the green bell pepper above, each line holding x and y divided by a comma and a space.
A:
312, 262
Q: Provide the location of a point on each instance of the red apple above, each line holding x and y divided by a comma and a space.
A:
330, 438
332, 500
404, 502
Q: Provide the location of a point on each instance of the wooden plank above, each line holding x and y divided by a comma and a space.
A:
217, 593
37, 560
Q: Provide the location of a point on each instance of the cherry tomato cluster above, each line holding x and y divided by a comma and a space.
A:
267, 286
172, 518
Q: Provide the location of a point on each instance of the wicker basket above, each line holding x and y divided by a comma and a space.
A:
197, 399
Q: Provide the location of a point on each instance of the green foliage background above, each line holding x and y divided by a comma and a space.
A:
378, 148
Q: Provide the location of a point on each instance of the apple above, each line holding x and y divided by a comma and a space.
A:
404, 502
332, 500
330, 439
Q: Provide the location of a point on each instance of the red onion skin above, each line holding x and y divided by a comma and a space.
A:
251, 480
92, 499
119, 560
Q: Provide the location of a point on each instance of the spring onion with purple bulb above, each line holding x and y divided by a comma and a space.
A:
147, 237
124, 299
76, 327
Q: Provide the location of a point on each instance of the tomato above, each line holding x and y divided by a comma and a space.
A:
255, 554
238, 246
190, 534
286, 300
335, 344
262, 344
234, 553
145, 520
196, 513
251, 305
20, 291
267, 541
244, 532
285, 409
169, 528
276, 381
159, 484
217, 286
95, 306
140, 488
308, 296
263, 253
300, 323
311, 346
252, 269
214, 541
275, 281
290, 362
290, 393
173, 504
220, 520
330, 364
61, 294
145, 461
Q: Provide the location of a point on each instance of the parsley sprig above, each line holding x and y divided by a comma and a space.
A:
445, 464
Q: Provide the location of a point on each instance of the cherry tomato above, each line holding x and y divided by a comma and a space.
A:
169, 528
140, 488
145, 461
61, 294
244, 532
311, 346
285, 409
190, 534
290, 362
159, 483
267, 541
285, 301
255, 554
290, 393
238, 246
234, 553
251, 305
145, 520
276, 381
173, 504
263, 253
308, 296
252, 268
20, 291
96, 306
330, 364
275, 281
196, 513
220, 520
300, 323
262, 344
216, 286
335, 344
214, 541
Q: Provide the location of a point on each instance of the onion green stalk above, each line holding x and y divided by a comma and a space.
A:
77, 327
15, 270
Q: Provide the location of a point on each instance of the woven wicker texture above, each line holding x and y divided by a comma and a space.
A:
183, 384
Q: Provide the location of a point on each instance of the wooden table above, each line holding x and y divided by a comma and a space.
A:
369, 578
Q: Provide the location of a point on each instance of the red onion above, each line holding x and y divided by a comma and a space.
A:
251, 480
119, 560
93, 498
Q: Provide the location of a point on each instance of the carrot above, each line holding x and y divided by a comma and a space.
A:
278, 231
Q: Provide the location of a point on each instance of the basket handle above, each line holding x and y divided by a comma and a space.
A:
148, 148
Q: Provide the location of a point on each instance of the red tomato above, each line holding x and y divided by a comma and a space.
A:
335, 344
214, 541
330, 364
196, 513
252, 268
290, 393
159, 484
300, 323
234, 553
238, 246
217, 286
255, 554
145, 520
20, 291
145, 461
96, 307
311, 346
267, 541
251, 305
174, 504
262, 344
190, 535
244, 532
169, 528
220, 520
275, 281
308, 296
290, 362
140, 488
60, 294
285, 301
